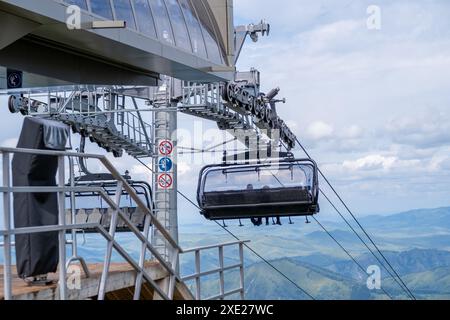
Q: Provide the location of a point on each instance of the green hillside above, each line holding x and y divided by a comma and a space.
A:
263, 283
416, 243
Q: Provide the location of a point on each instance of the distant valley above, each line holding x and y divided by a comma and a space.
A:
417, 244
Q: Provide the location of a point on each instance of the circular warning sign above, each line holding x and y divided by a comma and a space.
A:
166, 147
165, 181
165, 164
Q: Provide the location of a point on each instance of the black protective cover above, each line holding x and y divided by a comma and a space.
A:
37, 254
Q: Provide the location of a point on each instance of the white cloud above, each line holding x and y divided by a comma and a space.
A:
343, 84
352, 132
371, 162
183, 168
332, 70
440, 163
390, 169
139, 171
320, 130
428, 130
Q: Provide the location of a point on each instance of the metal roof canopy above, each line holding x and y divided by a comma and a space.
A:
35, 38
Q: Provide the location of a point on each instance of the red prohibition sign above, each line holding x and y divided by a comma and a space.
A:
165, 147
165, 181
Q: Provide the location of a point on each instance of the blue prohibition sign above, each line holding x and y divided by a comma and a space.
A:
165, 164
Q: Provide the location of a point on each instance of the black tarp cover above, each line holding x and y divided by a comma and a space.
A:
37, 254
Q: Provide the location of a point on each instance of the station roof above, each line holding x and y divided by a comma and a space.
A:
179, 38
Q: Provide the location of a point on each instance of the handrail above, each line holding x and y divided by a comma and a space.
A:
139, 235
108, 165
41, 229
208, 247
139, 202
209, 272
49, 189
97, 226
62, 227
51, 153
170, 266
198, 274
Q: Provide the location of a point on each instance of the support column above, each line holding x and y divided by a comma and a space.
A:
165, 198
173, 195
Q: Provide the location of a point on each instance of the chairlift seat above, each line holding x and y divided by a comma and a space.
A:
237, 198
103, 216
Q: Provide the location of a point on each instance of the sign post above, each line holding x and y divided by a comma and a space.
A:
165, 177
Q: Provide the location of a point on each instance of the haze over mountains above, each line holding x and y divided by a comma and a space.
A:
417, 244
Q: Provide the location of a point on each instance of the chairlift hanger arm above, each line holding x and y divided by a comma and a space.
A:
252, 30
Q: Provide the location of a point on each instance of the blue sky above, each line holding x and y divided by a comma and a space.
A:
371, 106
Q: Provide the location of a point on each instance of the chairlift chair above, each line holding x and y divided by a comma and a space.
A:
107, 183
274, 188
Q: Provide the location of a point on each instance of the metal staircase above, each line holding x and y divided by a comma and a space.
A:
109, 236
98, 113
112, 118
160, 273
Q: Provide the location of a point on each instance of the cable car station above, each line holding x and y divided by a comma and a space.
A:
118, 79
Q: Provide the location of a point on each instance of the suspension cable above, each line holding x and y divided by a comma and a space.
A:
362, 241
342, 247
238, 239
347, 252
403, 285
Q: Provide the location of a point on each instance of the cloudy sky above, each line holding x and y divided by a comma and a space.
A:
371, 106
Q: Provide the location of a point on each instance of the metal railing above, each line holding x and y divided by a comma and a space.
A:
61, 189
199, 94
220, 270
170, 265
131, 124
95, 111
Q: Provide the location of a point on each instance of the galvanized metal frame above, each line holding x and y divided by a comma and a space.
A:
7, 225
196, 96
112, 233
220, 270
62, 233
62, 228
170, 266
98, 111
74, 239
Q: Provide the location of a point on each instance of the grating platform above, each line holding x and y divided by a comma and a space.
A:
120, 285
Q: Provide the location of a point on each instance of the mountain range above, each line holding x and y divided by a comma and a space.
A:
416, 243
